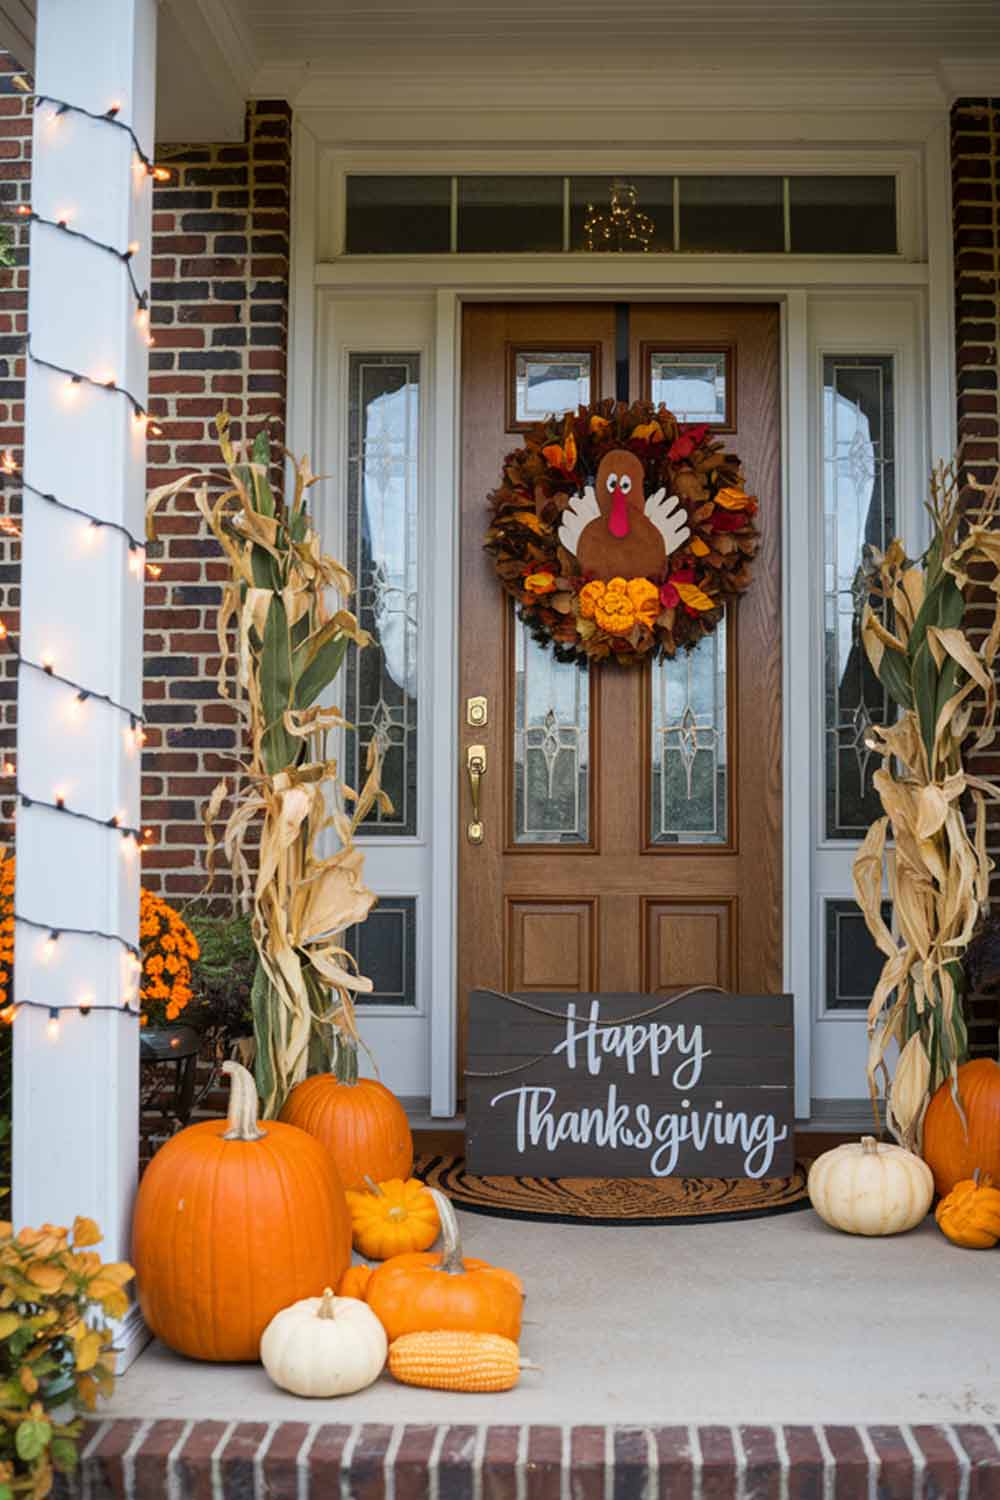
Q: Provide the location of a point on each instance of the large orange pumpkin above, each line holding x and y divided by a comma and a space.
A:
233, 1222
952, 1155
420, 1292
360, 1122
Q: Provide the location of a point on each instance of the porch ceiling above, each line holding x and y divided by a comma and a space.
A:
680, 33
214, 54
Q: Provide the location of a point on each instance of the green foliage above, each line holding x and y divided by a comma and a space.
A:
55, 1353
223, 974
6, 258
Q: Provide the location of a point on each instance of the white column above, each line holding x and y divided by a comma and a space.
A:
76, 1116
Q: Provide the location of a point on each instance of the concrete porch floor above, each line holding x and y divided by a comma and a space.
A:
775, 1320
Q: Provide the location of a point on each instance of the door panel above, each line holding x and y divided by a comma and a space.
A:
631, 817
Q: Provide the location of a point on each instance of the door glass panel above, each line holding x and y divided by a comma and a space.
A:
853, 962
690, 384
548, 384
689, 750
859, 499
383, 555
551, 746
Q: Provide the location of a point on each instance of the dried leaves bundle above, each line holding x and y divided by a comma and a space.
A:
289, 649
941, 679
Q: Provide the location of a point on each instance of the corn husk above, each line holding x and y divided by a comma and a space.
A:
929, 849
282, 645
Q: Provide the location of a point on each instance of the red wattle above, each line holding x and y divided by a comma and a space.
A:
618, 519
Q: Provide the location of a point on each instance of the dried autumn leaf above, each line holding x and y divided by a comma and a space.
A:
85, 1232
694, 597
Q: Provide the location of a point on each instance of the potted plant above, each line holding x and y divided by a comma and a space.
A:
55, 1348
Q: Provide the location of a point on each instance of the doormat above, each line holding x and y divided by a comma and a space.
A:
615, 1200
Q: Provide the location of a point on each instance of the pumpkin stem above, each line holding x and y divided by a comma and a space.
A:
242, 1116
373, 1187
869, 1145
327, 1309
345, 1061
451, 1241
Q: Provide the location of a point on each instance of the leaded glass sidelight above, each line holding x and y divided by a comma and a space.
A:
551, 746
688, 764
859, 505
383, 554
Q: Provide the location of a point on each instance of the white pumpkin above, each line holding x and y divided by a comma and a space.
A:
324, 1346
870, 1187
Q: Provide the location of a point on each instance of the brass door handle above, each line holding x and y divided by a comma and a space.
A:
475, 764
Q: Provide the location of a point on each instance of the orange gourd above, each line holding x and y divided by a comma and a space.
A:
970, 1215
420, 1293
233, 1222
952, 1154
354, 1282
392, 1218
360, 1122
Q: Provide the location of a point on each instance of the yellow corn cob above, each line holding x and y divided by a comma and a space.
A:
455, 1361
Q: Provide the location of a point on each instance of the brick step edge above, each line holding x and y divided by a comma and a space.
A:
172, 1459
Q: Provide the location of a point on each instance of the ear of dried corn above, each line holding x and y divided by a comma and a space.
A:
936, 867
284, 645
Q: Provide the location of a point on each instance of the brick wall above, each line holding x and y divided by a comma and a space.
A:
219, 319
975, 126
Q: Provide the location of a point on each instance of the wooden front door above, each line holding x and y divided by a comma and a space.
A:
631, 817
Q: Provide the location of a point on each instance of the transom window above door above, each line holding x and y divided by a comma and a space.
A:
736, 213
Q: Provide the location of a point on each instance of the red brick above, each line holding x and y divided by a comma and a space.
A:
499, 1466
718, 1463
410, 1470
675, 1463
805, 1463
853, 1470
367, 1472
543, 1470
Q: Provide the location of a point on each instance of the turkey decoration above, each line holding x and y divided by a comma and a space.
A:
622, 532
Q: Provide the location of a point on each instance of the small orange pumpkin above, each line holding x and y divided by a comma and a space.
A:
950, 1150
970, 1215
233, 1222
392, 1218
354, 1282
359, 1121
420, 1293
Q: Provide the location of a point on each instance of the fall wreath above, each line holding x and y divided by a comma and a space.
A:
622, 532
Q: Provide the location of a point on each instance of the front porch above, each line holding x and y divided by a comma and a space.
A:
768, 1322
769, 1357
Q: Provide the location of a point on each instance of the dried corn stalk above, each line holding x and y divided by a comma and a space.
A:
289, 649
937, 872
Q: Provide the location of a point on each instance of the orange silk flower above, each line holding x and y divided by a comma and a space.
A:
540, 583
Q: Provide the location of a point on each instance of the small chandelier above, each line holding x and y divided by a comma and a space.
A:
621, 227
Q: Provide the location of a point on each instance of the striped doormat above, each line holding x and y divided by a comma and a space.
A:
615, 1200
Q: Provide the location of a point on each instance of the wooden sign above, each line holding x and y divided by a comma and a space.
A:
564, 1085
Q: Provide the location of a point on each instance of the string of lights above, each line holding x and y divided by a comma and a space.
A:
55, 933
75, 377
82, 693
125, 256
108, 117
55, 1011
132, 838
135, 544
59, 806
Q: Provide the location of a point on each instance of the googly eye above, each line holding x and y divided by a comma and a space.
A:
625, 485
612, 481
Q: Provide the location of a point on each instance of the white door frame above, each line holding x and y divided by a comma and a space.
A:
785, 280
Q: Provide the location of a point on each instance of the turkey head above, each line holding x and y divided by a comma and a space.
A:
621, 541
